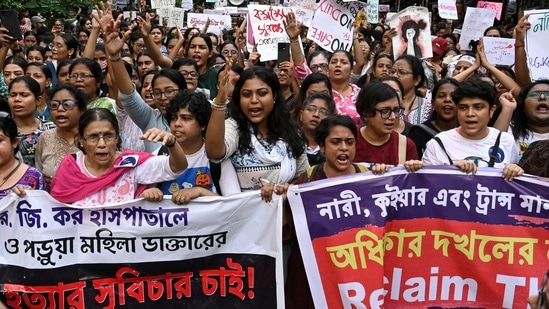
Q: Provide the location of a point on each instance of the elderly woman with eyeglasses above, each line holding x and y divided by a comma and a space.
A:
378, 104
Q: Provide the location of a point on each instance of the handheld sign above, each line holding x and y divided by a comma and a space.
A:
476, 21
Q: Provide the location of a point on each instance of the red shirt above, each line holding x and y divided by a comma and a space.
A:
386, 153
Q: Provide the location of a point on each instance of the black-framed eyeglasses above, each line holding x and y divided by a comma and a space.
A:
321, 66
67, 104
385, 113
321, 111
185, 74
398, 72
94, 139
279, 70
536, 94
168, 93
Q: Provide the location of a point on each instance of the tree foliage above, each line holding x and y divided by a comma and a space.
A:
50, 8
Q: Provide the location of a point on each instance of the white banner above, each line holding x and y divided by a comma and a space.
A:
475, 22
331, 27
537, 44
161, 3
414, 32
87, 247
499, 50
217, 22
268, 29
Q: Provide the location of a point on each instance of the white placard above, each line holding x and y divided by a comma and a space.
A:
537, 44
475, 22
131, 15
331, 27
187, 5
499, 50
414, 32
267, 28
174, 15
447, 9
304, 10
372, 11
217, 22
161, 3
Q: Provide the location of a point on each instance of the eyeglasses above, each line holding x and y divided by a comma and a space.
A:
67, 104
138, 46
185, 74
321, 111
278, 71
536, 94
55, 46
169, 93
399, 72
321, 66
94, 139
83, 76
226, 52
386, 112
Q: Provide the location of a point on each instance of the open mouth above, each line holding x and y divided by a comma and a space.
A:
343, 159
255, 112
542, 108
61, 119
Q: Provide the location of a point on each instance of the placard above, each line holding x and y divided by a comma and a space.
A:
187, 5
372, 11
268, 29
161, 3
499, 50
331, 27
217, 22
384, 8
303, 10
497, 6
537, 44
447, 9
175, 16
475, 22
414, 33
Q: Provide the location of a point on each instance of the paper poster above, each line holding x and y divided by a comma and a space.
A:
331, 27
384, 8
497, 6
447, 9
414, 33
187, 5
161, 3
372, 11
537, 44
268, 29
172, 14
438, 238
217, 22
475, 22
130, 15
304, 10
225, 252
499, 50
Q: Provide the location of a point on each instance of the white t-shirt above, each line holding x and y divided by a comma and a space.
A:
479, 151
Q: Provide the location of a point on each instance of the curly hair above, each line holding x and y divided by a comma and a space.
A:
196, 102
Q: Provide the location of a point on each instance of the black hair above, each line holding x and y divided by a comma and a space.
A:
390, 78
197, 104
93, 66
521, 129
417, 69
33, 85
346, 53
326, 126
36, 48
322, 96
440, 83
172, 75
81, 101
475, 87
71, 42
417, 26
187, 32
313, 78
63, 63
205, 37
8, 126
371, 95
184, 61
492, 28
98, 114
17, 60
44, 68
316, 53
280, 126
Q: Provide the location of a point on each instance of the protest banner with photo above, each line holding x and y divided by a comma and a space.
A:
372, 11
414, 32
499, 50
222, 251
447, 9
304, 10
332, 24
155, 4
268, 29
537, 44
475, 22
438, 238
496, 6
217, 22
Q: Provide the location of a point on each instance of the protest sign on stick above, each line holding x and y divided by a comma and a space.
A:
414, 32
537, 44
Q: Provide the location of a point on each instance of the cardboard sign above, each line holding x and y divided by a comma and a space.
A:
175, 16
537, 44
499, 50
217, 22
332, 24
414, 33
447, 9
161, 3
372, 11
476, 21
268, 29
496, 6
304, 10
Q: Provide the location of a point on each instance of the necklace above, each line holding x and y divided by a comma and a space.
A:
10, 174
412, 102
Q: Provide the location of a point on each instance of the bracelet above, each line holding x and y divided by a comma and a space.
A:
116, 59
172, 144
356, 38
219, 107
519, 45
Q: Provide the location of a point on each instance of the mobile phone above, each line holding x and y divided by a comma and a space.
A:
283, 52
10, 21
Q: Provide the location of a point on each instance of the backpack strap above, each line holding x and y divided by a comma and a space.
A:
215, 169
359, 168
311, 172
494, 153
401, 149
436, 138
427, 130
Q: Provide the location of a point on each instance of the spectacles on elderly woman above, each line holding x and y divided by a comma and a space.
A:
94, 139
386, 112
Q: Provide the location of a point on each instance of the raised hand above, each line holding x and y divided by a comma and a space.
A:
293, 28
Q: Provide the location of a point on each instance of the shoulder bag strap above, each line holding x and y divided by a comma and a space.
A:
494, 153
436, 138
401, 149
429, 131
